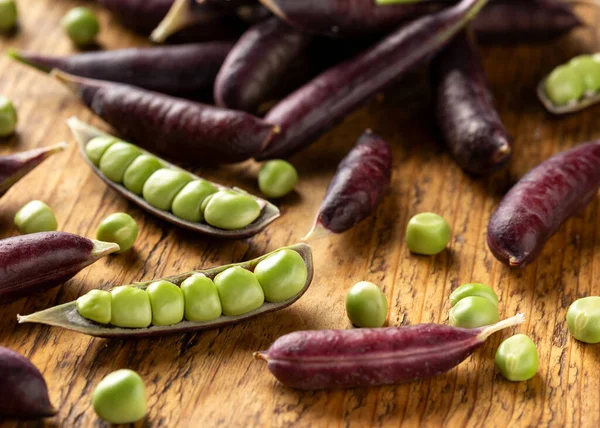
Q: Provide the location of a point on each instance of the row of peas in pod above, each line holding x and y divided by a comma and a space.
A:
234, 291
170, 189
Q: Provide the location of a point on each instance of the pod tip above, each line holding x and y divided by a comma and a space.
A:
59, 147
13, 54
514, 261
317, 231
260, 355
21, 318
176, 19
102, 248
491, 329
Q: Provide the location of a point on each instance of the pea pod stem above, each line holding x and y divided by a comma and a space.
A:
67, 316
182, 14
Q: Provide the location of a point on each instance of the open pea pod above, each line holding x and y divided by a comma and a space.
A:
67, 315
84, 133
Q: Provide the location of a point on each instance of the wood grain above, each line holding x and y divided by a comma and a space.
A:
209, 379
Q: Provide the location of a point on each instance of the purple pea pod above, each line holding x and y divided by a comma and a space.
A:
40, 261
23, 390
187, 70
182, 130
534, 209
256, 64
357, 188
16, 166
364, 357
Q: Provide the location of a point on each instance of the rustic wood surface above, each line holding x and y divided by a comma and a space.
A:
209, 378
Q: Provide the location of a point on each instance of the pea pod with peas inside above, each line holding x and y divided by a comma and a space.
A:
573, 86
191, 301
169, 192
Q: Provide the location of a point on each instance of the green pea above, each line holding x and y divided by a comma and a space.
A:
474, 289
366, 305
517, 358
188, 203
95, 306
277, 178
281, 275
428, 234
201, 298
81, 25
589, 71
564, 85
162, 187
120, 398
130, 307
583, 319
35, 217
95, 148
120, 228
473, 312
167, 302
8, 15
230, 210
239, 291
140, 171
8, 117
116, 159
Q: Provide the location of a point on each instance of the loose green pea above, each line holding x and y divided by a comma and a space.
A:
589, 71
95, 306
473, 312
8, 15
120, 228
428, 234
239, 291
366, 305
564, 85
139, 172
130, 307
120, 398
95, 148
162, 187
583, 319
8, 117
167, 303
81, 25
230, 210
116, 159
35, 217
277, 178
188, 203
517, 358
474, 289
201, 298
281, 275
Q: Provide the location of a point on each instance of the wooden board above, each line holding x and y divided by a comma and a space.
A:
210, 379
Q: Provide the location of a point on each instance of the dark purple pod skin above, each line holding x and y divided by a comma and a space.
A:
358, 186
182, 130
142, 16
364, 357
464, 108
23, 390
525, 21
319, 105
187, 70
256, 63
40, 261
16, 166
534, 209
343, 18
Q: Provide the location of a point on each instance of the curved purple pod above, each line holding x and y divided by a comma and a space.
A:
464, 107
23, 388
40, 261
319, 105
186, 70
182, 130
364, 357
525, 21
357, 187
342, 18
533, 210
256, 63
